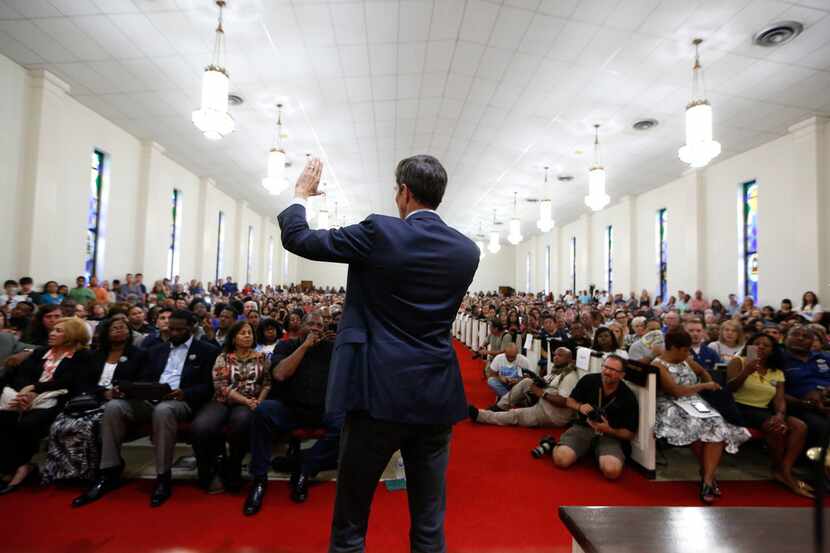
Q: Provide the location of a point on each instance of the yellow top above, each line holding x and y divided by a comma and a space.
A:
759, 389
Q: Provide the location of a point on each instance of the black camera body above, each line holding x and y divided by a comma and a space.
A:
596, 414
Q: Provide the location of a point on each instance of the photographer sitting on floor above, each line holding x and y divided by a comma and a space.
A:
505, 370
540, 405
608, 417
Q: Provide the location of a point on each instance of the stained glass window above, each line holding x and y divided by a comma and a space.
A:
270, 260
93, 218
249, 262
609, 261
547, 270
750, 228
662, 253
573, 263
174, 251
220, 248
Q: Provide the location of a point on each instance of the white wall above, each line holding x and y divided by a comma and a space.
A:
495, 270
45, 152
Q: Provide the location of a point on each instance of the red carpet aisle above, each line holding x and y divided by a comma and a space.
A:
499, 500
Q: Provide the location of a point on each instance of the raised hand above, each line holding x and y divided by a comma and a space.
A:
309, 179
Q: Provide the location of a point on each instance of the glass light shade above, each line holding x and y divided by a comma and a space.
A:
482, 251
494, 246
700, 149
596, 199
515, 235
213, 118
545, 222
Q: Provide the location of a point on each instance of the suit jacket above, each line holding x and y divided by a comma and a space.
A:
127, 369
197, 372
29, 372
393, 356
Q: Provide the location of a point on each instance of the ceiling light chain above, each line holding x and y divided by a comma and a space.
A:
515, 234
494, 246
700, 149
597, 198
545, 222
213, 118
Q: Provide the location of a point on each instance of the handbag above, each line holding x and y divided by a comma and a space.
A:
81, 404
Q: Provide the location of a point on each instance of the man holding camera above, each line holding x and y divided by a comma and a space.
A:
542, 403
608, 418
300, 374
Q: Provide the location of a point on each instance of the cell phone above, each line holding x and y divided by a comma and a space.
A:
700, 407
751, 353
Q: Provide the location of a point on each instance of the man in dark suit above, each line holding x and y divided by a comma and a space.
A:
186, 365
393, 371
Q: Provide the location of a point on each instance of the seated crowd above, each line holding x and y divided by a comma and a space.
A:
230, 370
725, 373
227, 369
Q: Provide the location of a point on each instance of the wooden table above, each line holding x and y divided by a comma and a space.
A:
690, 529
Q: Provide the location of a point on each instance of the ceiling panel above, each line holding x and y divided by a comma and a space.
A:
497, 89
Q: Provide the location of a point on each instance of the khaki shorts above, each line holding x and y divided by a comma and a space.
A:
582, 438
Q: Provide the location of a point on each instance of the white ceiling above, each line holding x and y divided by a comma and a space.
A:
496, 90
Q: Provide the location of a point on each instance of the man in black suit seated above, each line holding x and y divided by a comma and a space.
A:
300, 375
186, 365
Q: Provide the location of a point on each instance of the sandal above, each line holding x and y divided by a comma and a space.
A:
707, 493
798, 487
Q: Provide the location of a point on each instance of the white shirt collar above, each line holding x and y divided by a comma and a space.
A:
419, 211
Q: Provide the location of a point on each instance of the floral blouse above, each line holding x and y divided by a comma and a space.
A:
247, 377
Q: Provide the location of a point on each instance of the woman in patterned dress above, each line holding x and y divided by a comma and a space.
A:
241, 379
75, 439
684, 418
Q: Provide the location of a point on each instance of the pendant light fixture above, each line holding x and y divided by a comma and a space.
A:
700, 149
275, 183
494, 246
515, 234
480, 242
213, 118
545, 222
596, 199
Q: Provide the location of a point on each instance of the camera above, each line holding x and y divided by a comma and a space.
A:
545, 446
596, 414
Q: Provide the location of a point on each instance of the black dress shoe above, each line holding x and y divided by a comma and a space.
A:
34, 474
99, 488
253, 503
299, 488
162, 493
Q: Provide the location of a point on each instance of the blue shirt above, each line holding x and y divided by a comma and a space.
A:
172, 374
805, 376
706, 357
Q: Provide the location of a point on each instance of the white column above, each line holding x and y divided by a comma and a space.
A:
583, 254
153, 218
625, 248
240, 238
43, 253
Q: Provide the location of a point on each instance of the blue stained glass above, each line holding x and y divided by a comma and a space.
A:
93, 219
663, 252
750, 228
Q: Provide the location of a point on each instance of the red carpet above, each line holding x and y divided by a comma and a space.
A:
499, 499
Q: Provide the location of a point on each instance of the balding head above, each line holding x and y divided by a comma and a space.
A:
562, 357
510, 351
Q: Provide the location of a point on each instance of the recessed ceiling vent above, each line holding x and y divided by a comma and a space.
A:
235, 100
777, 34
645, 124
565, 178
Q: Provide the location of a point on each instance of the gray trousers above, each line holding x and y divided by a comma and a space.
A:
543, 413
122, 414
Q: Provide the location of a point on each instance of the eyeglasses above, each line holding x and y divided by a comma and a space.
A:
610, 368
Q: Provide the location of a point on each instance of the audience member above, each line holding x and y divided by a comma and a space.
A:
607, 420
33, 394
730, 341
505, 370
757, 381
685, 418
